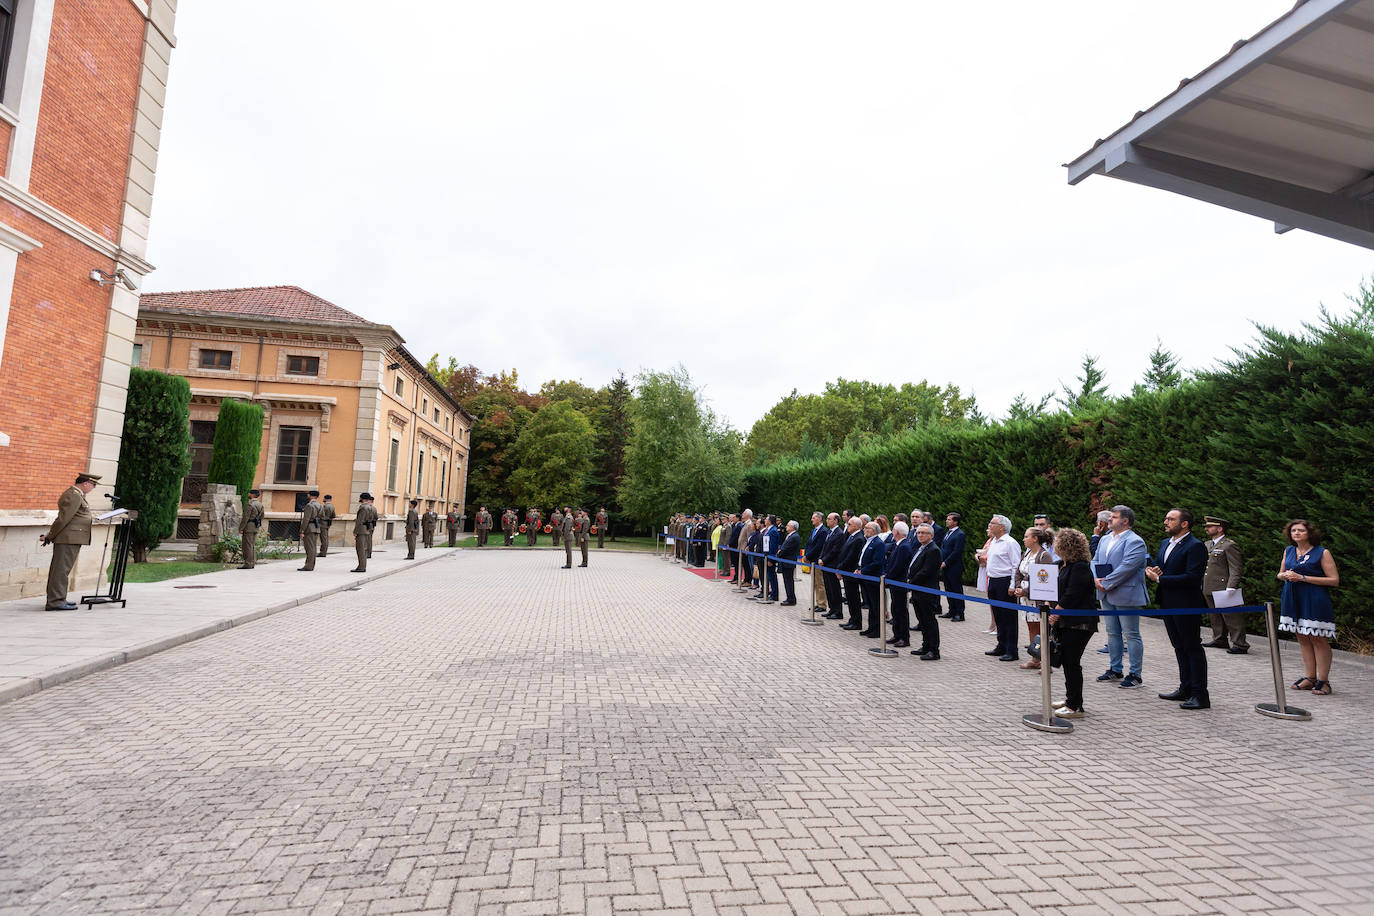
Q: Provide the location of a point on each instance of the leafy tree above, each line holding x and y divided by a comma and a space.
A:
445, 374
1163, 372
238, 441
153, 455
1092, 388
1023, 408
501, 409
552, 457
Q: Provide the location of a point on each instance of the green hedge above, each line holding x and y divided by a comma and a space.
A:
153, 455
1284, 430
238, 440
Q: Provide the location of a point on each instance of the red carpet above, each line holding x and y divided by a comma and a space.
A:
708, 572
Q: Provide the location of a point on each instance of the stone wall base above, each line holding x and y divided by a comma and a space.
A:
24, 563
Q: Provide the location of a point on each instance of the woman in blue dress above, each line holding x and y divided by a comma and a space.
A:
1308, 574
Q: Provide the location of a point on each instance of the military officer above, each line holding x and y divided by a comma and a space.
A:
70, 531
310, 530
556, 519
532, 527
569, 527
327, 516
508, 526
483, 526
452, 521
1224, 568
583, 533
248, 528
602, 522
364, 520
428, 523
412, 528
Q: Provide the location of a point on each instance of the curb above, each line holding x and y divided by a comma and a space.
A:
73, 672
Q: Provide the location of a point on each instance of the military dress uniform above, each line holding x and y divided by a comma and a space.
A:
532, 527
602, 520
451, 522
569, 527
310, 532
428, 523
327, 516
483, 526
248, 532
70, 531
508, 526
412, 531
1224, 568
556, 519
364, 521
583, 534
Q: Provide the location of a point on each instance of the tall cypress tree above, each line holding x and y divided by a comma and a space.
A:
238, 440
153, 455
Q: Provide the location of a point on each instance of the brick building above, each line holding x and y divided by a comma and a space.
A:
82, 84
346, 407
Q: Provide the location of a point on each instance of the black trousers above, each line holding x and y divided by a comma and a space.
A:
1185, 636
875, 606
834, 596
855, 602
896, 605
789, 585
954, 584
1007, 628
928, 616
1072, 642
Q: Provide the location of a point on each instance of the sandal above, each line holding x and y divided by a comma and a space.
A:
1030, 665
1303, 683
1322, 688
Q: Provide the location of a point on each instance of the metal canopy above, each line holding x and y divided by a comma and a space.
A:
1281, 128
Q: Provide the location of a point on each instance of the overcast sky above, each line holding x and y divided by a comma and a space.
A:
773, 194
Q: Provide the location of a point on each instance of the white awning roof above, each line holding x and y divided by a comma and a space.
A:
1282, 127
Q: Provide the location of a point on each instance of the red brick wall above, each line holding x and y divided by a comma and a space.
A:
85, 126
51, 366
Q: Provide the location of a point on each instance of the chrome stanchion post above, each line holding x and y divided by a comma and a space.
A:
811, 620
884, 650
1046, 720
1279, 709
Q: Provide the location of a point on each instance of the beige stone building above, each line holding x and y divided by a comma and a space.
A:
346, 407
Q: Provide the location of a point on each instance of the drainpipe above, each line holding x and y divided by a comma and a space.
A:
257, 369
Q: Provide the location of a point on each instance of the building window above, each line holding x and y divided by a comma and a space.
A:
436, 415
293, 454
443, 476
202, 443
425, 407
420, 473
136, 359
400, 387
395, 461
216, 359
302, 365
6, 39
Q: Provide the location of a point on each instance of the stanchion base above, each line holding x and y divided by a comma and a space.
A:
811, 623
1288, 712
1054, 724
884, 653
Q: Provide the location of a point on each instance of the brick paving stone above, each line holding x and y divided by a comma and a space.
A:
491, 734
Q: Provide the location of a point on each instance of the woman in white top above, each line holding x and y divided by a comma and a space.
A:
1037, 541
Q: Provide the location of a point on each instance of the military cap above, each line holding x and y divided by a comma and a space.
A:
314, 492
364, 496
1213, 520
255, 492
93, 478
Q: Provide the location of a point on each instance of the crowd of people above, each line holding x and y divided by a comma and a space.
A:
1101, 581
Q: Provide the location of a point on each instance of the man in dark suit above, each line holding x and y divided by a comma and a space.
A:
815, 546
935, 529
835, 540
924, 570
754, 546
952, 566
790, 549
894, 568
848, 562
771, 540
871, 559
1180, 566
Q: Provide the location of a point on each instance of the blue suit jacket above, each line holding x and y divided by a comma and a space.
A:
938, 531
771, 540
898, 556
1180, 579
952, 550
1125, 584
815, 545
872, 559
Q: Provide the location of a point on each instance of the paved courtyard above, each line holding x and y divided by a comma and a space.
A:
491, 734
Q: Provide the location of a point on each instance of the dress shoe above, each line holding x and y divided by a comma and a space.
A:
1196, 702
899, 644
929, 656
62, 607
850, 626
871, 634
306, 569
1179, 694
1215, 644
569, 566
831, 615
581, 565
1009, 658
957, 618
993, 652
357, 570
1238, 650
787, 604
947, 616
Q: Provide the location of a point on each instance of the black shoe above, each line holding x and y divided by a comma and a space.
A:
929, 656
787, 604
958, 618
581, 565
899, 644
357, 570
306, 569
1215, 644
1179, 694
850, 626
993, 652
947, 616
68, 606
921, 651
870, 634
1009, 658
1238, 650
833, 616
565, 567
1109, 675
1197, 702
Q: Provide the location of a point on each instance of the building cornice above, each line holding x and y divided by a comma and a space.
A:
69, 225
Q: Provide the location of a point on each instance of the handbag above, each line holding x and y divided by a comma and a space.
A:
1056, 651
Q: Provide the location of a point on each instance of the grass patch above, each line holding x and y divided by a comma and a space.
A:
170, 564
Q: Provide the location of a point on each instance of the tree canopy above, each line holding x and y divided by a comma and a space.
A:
552, 457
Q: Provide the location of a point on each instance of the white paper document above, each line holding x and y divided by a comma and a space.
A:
982, 585
1044, 582
111, 514
669, 541
1228, 597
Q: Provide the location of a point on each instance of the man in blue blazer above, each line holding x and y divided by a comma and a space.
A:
848, 563
924, 570
1119, 574
815, 546
789, 549
1178, 571
772, 540
952, 565
871, 563
894, 568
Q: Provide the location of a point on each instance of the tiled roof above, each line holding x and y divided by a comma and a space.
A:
284, 303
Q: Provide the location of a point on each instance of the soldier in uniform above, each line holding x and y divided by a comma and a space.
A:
569, 527
556, 519
483, 526
248, 528
532, 527
428, 523
602, 521
583, 532
364, 520
412, 528
70, 531
451, 522
310, 530
508, 526
1224, 567
327, 516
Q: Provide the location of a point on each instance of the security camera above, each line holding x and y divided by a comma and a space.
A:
126, 280
119, 276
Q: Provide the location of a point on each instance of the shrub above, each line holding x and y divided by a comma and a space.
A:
153, 455
238, 440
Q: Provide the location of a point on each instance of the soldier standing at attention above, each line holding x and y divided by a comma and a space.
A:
412, 528
248, 529
327, 516
508, 526
310, 530
602, 521
569, 526
70, 531
556, 519
364, 520
583, 529
532, 527
483, 526
451, 523
1224, 568
428, 523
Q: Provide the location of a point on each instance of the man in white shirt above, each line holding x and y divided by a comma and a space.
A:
1004, 554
